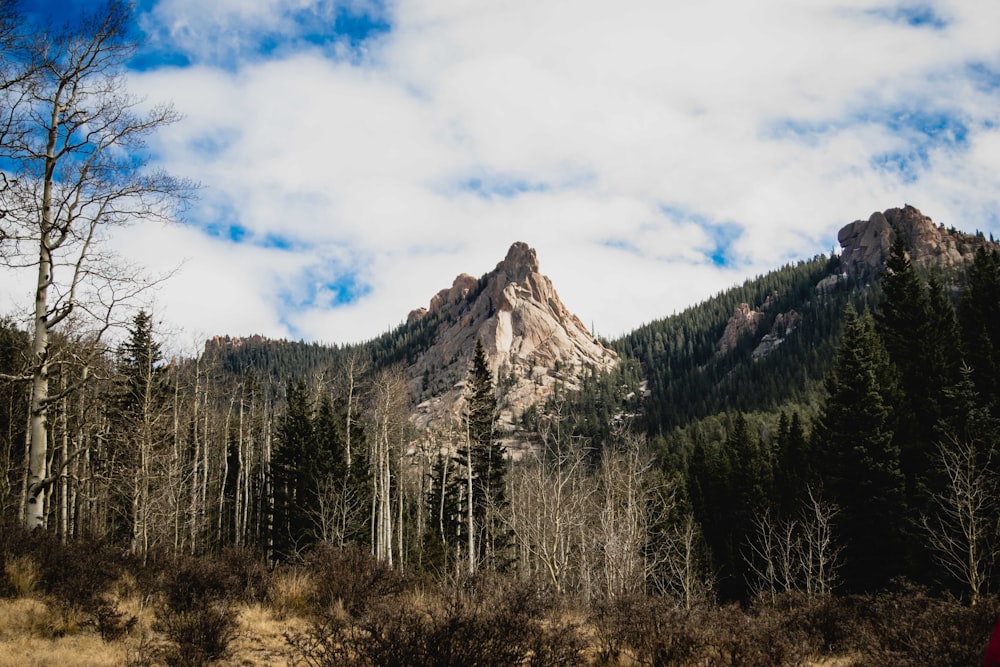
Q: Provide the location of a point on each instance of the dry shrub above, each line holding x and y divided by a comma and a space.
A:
112, 622
907, 626
251, 576
292, 591
827, 624
23, 574
195, 614
351, 577
200, 635
481, 624
763, 638
655, 631
648, 631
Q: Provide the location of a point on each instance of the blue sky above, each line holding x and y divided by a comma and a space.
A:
356, 155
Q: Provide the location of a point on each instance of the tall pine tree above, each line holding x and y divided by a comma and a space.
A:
489, 464
862, 461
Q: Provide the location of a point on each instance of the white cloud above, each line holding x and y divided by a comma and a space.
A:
599, 133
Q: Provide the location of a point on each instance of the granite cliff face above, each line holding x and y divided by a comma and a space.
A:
745, 322
866, 243
531, 341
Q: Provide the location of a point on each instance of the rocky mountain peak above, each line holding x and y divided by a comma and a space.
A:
532, 341
520, 262
865, 244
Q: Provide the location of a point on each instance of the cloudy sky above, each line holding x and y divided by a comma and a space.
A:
356, 155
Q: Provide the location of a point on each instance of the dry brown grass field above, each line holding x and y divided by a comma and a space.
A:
69, 605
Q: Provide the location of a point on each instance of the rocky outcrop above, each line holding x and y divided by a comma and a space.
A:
742, 323
784, 325
532, 342
865, 244
745, 322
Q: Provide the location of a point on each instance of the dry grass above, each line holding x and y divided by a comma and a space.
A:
23, 574
262, 637
84, 650
34, 635
27, 640
292, 591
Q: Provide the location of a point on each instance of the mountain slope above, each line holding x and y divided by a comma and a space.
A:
531, 340
768, 342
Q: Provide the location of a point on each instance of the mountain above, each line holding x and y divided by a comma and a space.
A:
768, 343
759, 346
533, 344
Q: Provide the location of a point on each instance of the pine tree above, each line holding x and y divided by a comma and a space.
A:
290, 465
140, 417
917, 330
748, 489
489, 463
794, 468
862, 463
979, 314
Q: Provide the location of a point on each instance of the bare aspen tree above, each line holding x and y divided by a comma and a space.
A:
773, 555
549, 498
819, 552
629, 507
795, 554
353, 368
964, 532
387, 415
74, 144
685, 576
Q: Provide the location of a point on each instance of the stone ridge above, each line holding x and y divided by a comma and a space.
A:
865, 244
530, 338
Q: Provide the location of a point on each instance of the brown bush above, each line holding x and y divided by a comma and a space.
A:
195, 614
908, 626
200, 635
648, 630
484, 623
352, 578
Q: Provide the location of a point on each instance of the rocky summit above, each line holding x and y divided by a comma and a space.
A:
866, 243
865, 246
533, 344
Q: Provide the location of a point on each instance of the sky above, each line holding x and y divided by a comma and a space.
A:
355, 156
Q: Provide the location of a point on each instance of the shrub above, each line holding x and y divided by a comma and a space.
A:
251, 578
23, 574
352, 578
650, 630
484, 623
292, 591
195, 614
907, 626
200, 635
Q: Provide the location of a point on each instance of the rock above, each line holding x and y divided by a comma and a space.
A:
742, 323
865, 245
530, 338
784, 325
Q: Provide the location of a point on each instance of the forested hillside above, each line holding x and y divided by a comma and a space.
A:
689, 378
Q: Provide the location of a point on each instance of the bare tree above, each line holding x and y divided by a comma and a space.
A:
773, 556
386, 421
965, 530
795, 554
685, 575
75, 140
549, 499
820, 553
633, 501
